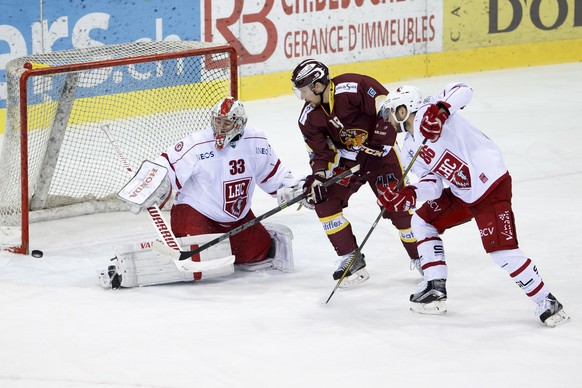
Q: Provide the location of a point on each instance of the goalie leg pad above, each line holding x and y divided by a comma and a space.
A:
280, 256
216, 252
283, 256
137, 265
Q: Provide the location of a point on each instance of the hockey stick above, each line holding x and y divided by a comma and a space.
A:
164, 231
183, 255
162, 227
359, 249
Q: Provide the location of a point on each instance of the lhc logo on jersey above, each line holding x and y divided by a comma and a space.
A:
236, 196
454, 170
353, 138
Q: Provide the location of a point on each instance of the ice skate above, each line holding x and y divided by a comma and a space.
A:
110, 278
357, 273
430, 297
551, 312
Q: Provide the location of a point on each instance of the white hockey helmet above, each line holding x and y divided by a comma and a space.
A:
409, 96
228, 120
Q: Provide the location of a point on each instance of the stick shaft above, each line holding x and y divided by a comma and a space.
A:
359, 249
154, 212
187, 254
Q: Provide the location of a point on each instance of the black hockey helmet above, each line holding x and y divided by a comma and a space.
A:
308, 72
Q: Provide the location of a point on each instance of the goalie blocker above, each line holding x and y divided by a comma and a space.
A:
136, 265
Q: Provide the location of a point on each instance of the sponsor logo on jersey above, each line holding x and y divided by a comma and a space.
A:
205, 155
346, 87
236, 196
454, 170
372, 92
178, 147
263, 150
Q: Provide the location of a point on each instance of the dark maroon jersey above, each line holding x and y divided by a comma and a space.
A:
346, 123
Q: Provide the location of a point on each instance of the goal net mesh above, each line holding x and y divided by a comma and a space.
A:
148, 94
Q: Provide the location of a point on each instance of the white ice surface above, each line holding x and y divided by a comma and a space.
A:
58, 328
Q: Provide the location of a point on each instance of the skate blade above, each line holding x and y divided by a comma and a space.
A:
557, 319
357, 278
433, 308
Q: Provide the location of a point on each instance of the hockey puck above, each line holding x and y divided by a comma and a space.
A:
36, 253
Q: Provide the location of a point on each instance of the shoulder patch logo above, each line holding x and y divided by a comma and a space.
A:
372, 92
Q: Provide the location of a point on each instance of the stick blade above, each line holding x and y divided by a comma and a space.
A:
164, 250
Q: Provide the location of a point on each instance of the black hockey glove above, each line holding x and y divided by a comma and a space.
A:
314, 190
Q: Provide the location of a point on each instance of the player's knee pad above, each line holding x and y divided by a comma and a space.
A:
283, 253
280, 255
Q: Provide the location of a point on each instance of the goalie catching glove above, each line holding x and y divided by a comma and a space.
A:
150, 186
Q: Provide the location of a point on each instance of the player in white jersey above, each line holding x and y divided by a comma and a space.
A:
471, 167
214, 173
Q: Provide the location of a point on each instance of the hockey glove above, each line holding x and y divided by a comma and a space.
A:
150, 186
433, 120
370, 158
314, 190
398, 201
286, 194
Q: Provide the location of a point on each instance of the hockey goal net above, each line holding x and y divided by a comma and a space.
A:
57, 162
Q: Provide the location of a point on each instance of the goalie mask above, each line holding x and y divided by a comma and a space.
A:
228, 120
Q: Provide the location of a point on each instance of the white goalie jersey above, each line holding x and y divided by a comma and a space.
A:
220, 183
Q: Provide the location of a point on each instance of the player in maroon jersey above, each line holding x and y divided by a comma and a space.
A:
342, 128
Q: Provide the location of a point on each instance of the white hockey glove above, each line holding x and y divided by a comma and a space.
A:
150, 186
292, 188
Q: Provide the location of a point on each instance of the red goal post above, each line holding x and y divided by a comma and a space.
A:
56, 161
